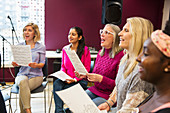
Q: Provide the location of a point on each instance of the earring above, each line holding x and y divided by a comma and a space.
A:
166, 69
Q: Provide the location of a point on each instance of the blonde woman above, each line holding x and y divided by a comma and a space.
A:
30, 77
130, 90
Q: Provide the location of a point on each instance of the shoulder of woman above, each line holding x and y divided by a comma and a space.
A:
163, 107
120, 54
40, 45
135, 70
99, 52
134, 75
22, 43
86, 51
86, 48
66, 47
98, 55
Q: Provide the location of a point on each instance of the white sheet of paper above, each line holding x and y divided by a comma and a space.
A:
22, 54
61, 75
78, 101
78, 65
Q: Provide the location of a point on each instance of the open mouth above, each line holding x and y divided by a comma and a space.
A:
102, 40
122, 39
70, 39
27, 36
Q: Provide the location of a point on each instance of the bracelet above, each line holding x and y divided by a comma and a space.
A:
109, 105
112, 101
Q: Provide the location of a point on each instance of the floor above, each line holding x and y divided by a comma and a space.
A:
36, 103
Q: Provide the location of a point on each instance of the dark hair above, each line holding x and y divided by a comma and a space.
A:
167, 28
80, 48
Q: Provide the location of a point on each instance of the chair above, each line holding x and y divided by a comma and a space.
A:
41, 88
6, 97
92, 66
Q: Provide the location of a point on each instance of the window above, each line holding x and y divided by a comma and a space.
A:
20, 12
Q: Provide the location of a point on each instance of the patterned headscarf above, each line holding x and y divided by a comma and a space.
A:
162, 42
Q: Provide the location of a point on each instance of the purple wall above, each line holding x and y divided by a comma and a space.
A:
60, 15
7, 75
63, 14
150, 9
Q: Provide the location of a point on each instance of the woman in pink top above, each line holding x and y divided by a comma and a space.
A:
106, 65
77, 43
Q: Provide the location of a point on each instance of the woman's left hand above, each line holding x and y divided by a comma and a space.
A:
104, 106
92, 77
79, 75
69, 81
33, 65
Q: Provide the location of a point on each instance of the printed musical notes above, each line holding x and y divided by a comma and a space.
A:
78, 65
21, 54
61, 75
78, 101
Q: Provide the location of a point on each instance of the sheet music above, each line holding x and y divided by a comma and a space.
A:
78, 65
61, 75
22, 54
78, 101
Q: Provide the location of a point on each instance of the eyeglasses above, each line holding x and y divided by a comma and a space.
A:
106, 32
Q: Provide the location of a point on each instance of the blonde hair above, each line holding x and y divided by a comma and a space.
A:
36, 30
115, 46
140, 30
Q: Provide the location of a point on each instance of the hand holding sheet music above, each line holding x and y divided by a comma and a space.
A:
22, 54
78, 101
78, 65
61, 75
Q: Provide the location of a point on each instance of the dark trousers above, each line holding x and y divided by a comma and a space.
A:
59, 85
2, 104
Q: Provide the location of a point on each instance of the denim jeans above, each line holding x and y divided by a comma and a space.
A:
96, 99
59, 85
